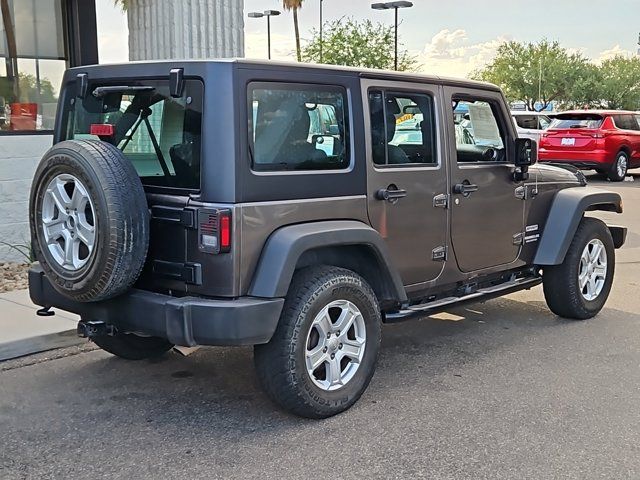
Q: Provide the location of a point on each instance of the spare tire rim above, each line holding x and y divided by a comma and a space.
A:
68, 222
335, 345
592, 271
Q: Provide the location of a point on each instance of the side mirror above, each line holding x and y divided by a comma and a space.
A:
526, 155
526, 152
411, 109
333, 129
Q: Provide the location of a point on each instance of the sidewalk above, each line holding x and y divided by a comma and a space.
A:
22, 332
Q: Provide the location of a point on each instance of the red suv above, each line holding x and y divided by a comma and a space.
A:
606, 141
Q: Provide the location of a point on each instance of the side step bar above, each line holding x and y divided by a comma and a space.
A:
425, 309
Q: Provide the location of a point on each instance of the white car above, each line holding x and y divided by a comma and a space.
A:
531, 124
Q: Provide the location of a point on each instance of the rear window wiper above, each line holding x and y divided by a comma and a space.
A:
100, 92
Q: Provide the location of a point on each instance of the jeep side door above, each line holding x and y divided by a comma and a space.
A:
406, 176
486, 213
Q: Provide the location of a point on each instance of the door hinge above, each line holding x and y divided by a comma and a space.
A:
518, 238
439, 254
521, 192
441, 200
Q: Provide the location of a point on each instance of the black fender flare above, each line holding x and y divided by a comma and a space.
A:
286, 245
567, 209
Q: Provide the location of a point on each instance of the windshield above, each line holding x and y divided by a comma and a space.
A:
577, 121
158, 133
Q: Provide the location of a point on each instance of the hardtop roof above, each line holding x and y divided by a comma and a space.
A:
329, 69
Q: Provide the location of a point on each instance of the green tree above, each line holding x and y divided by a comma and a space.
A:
29, 90
295, 5
357, 44
532, 72
620, 83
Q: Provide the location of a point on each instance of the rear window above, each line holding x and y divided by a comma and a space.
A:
577, 121
160, 134
298, 127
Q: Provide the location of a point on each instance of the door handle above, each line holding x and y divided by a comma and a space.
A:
390, 195
465, 188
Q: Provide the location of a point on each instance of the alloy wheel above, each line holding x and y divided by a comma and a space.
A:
592, 271
335, 345
621, 165
68, 222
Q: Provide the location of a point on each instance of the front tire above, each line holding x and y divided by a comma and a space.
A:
132, 347
579, 287
324, 351
619, 168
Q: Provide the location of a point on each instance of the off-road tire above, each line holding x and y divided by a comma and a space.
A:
560, 282
615, 174
132, 347
280, 364
121, 223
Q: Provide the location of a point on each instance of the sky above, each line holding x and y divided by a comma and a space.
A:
450, 38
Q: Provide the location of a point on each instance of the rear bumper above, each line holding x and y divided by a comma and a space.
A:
186, 321
581, 164
585, 160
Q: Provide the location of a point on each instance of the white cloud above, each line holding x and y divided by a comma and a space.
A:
446, 44
613, 52
449, 53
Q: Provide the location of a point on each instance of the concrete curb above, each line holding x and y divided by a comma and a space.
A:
41, 343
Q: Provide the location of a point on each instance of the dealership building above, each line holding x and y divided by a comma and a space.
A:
39, 39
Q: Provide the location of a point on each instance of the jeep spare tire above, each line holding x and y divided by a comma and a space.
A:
89, 220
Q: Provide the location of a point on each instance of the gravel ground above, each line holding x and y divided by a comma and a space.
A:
13, 276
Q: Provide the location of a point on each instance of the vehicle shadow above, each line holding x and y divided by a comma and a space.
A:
207, 408
215, 390
594, 178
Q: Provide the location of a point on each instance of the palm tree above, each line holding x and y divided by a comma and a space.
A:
294, 5
12, 53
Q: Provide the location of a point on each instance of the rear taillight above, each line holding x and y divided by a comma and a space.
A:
225, 231
214, 230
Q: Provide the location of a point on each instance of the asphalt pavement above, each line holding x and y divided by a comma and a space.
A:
500, 390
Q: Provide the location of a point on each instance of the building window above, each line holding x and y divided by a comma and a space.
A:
32, 61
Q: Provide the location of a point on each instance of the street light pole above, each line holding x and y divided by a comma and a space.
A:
395, 55
395, 6
268, 14
320, 31
268, 37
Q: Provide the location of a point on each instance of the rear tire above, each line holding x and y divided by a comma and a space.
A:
132, 347
620, 167
321, 300
565, 292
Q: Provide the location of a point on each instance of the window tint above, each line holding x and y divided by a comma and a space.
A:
158, 133
578, 120
626, 122
526, 121
402, 128
298, 127
477, 132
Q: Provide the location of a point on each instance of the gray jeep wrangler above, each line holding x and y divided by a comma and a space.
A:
297, 208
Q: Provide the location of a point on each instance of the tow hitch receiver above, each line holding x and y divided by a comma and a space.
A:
94, 328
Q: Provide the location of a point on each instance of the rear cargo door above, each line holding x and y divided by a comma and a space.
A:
574, 132
160, 134
571, 140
